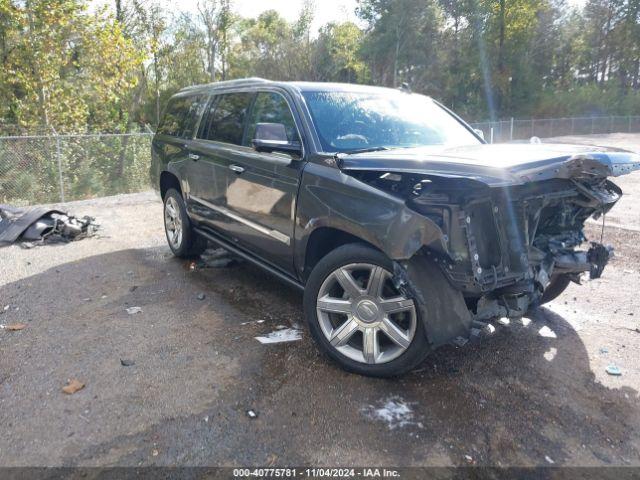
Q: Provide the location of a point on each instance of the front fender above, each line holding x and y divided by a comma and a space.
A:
329, 198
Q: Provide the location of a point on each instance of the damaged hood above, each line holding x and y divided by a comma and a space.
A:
499, 164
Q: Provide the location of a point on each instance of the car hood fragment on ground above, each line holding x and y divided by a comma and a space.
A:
40, 224
498, 165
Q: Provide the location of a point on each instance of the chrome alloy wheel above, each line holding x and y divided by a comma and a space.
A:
364, 316
173, 222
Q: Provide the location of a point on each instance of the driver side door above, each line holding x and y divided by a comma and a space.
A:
263, 186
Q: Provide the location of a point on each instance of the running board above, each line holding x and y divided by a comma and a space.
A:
241, 253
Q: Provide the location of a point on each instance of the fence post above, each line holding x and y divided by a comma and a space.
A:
532, 127
59, 160
491, 133
511, 131
593, 120
611, 125
573, 122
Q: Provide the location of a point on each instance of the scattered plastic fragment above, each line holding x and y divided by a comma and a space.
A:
468, 458
279, 336
201, 296
127, 363
72, 386
504, 321
252, 414
14, 327
613, 370
134, 310
154, 452
604, 350
549, 459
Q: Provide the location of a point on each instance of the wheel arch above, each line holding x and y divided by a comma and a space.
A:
169, 180
324, 240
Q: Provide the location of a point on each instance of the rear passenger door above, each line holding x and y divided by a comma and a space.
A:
212, 152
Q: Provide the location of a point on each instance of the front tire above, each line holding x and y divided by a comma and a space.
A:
183, 241
358, 317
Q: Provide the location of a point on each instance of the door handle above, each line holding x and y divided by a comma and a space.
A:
236, 168
193, 156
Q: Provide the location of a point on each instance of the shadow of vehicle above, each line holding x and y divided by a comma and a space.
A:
515, 399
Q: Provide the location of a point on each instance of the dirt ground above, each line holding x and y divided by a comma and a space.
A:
534, 393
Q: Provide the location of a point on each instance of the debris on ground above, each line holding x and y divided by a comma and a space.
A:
395, 412
214, 258
201, 296
604, 350
468, 458
548, 459
252, 414
35, 226
249, 323
13, 327
72, 386
613, 370
134, 310
127, 363
4, 309
279, 336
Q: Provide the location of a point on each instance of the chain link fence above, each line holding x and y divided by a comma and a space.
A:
515, 129
52, 168
49, 168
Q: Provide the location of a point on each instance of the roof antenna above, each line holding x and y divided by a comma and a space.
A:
405, 87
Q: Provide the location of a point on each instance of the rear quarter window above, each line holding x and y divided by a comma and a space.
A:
181, 116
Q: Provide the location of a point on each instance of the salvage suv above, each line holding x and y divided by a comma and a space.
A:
402, 226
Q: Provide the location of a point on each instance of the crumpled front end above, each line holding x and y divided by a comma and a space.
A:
506, 245
503, 243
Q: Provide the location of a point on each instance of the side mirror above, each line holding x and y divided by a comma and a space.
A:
272, 137
479, 132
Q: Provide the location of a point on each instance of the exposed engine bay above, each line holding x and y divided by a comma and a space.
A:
503, 246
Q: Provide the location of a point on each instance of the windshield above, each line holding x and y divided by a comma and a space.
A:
350, 121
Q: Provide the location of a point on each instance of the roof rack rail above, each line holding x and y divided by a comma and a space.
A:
236, 82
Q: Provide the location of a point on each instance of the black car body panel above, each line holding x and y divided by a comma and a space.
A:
500, 221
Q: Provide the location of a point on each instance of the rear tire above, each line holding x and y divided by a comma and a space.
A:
183, 241
556, 287
368, 327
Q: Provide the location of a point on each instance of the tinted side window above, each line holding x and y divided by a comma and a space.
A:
225, 119
271, 107
181, 115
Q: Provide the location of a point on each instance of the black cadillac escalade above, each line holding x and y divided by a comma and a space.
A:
402, 226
